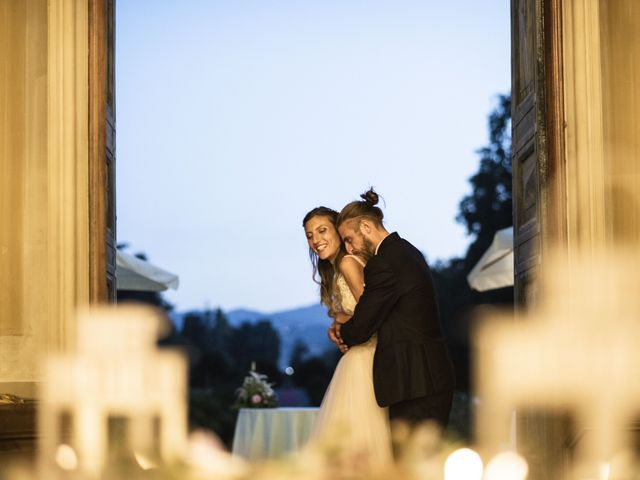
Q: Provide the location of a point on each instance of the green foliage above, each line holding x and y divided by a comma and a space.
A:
485, 210
489, 207
219, 356
222, 334
210, 409
313, 373
256, 342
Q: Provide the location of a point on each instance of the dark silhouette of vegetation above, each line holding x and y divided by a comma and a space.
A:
220, 356
487, 209
257, 342
313, 373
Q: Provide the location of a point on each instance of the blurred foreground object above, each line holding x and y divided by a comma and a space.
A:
577, 352
117, 402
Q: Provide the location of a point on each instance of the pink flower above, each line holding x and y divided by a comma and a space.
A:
256, 398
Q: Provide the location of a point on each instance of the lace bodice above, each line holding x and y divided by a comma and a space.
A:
348, 301
348, 304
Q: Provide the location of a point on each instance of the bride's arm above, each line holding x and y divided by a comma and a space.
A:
353, 273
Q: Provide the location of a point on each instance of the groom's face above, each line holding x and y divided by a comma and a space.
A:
356, 240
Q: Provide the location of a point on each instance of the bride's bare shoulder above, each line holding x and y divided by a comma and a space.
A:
352, 259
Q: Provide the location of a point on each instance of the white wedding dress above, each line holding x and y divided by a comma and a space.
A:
349, 416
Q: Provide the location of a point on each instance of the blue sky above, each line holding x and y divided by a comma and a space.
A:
234, 118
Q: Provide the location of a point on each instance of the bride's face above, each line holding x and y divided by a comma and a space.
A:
322, 237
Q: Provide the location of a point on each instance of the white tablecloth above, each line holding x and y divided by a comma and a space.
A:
272, 432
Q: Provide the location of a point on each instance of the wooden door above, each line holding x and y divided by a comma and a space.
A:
102, 154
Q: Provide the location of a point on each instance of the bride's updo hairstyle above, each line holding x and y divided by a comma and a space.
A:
365, 208
324, 273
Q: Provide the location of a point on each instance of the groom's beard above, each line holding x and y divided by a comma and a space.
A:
368, 250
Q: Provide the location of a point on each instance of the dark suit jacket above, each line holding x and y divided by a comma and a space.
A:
399, 303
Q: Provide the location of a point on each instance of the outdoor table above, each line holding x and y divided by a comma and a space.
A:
263, 433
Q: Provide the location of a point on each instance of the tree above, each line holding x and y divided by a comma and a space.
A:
222, 334
489, 207
196, 331
485, 210
220, 356
313, 373
257, 342
299, 352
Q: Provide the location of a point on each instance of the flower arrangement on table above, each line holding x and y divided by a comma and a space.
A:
256, 392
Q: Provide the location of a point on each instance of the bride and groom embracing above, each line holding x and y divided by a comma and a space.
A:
379, 290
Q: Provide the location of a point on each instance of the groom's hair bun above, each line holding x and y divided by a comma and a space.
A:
370, 196
365, 208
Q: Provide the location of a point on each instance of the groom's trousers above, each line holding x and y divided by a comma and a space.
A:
432, 407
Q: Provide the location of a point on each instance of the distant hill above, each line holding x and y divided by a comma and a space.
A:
312, 314
308, 324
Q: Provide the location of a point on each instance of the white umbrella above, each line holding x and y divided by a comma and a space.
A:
133, 273
495, 267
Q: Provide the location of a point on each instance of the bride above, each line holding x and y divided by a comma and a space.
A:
349, 411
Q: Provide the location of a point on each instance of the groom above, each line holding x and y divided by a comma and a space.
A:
412, 371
